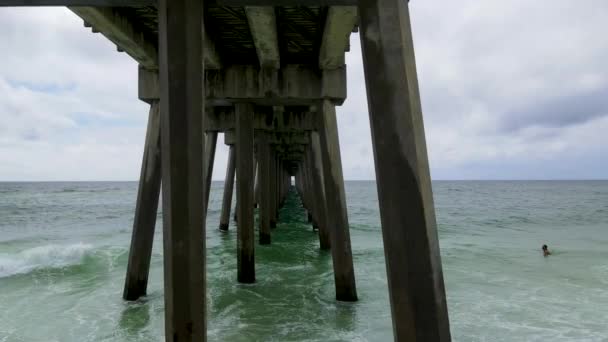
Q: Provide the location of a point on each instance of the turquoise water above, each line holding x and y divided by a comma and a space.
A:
64, 247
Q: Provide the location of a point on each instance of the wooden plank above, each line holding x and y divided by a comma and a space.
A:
264, 172
119, 30
409, 228
337, 218
180, 43
244, 193
142, 238
228, 189
263, 26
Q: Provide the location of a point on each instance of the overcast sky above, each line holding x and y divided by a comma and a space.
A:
510, 90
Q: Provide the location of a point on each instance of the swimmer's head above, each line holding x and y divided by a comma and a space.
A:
544, 247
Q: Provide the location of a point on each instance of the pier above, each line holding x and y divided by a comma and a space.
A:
268, 75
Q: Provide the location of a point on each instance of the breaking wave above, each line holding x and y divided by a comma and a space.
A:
43, 257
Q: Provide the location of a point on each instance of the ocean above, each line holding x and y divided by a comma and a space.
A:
64, 248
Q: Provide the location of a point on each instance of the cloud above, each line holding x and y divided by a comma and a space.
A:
510, 89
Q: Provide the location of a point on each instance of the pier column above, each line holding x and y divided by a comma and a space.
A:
182, 105
407, 214
209, 158
337, 218
264, 182
146, 208
228, 189
272, 184
244, 189
319, 191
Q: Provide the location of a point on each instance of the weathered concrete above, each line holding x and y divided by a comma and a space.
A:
119, 30
339, 23
180, 53
264, 172
344, 272
263, 26
319, 190
295, 121
138, 268
208, 159
228, 189
290, 85
409, 229
244, 187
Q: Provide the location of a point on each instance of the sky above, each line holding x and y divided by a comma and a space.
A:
510, 90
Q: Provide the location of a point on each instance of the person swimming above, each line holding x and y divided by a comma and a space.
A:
546, 251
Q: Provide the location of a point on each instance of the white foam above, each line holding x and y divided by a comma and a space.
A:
47, 256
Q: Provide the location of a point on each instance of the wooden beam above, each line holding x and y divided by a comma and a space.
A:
146, 208
180, 45
339, 24
407, 213
119, 30
263, 26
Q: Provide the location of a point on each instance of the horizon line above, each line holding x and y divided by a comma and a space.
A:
346, 180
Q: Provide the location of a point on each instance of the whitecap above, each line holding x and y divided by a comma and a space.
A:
41, 257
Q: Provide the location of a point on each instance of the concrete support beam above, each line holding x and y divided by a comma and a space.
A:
120, 30
264, 173
138, 268
180, 53
290, 85
293, 85
407, 213
337, 218
244, 190
223, 119
319, 190
339, 23
135, 3
228, 189
148, 87
263, 26
208, 159
62, 3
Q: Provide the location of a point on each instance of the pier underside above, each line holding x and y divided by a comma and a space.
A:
268, 75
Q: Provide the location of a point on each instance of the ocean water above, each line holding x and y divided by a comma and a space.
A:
64, 248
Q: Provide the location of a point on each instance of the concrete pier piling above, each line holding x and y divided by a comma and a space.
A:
273, 94
265, 195
244, 193
138, 268
180, 55
228, 190
404, 184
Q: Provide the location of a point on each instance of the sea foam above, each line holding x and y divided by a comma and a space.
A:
47, 256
